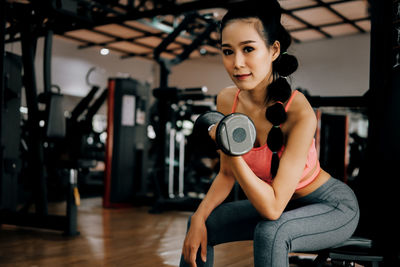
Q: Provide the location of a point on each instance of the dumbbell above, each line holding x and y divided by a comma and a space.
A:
235, 133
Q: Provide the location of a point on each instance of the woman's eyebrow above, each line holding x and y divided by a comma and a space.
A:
241, 43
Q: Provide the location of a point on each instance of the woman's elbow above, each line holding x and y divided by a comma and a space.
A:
271, 214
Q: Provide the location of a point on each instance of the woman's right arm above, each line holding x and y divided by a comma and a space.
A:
197, 234
224, 181
218, 192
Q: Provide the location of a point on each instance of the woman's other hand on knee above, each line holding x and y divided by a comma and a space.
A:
195, 238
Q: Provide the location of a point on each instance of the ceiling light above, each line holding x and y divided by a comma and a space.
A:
104, 51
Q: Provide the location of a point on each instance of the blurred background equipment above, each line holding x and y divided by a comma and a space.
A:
127, 146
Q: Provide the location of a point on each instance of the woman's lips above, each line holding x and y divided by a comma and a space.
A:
242, 76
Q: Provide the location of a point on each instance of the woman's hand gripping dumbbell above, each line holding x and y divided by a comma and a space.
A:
235, 133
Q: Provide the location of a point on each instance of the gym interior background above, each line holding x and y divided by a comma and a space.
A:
98, 100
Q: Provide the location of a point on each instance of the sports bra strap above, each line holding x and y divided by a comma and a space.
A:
235, 102
290, 100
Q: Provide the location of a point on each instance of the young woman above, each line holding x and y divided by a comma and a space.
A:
292, 204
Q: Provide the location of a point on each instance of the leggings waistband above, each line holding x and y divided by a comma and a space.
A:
319, 191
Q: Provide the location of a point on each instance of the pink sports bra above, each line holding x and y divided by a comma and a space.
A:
259, 158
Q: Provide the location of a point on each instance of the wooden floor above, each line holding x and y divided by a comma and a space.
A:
111, 237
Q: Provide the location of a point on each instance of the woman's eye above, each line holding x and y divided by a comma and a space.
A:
248, 49
227, 52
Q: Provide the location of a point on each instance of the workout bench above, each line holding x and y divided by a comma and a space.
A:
354, 250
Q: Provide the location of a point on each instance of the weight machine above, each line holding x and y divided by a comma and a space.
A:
125, 182
169, 112
32, 154
27, 170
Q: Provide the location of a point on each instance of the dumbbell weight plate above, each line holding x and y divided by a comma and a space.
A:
203, 143
205, 120
236, 134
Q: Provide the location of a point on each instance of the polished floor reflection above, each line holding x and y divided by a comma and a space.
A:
110, 237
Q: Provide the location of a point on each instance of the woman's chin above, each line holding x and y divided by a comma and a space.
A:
244, 86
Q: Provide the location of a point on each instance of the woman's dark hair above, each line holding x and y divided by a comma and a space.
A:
271, 30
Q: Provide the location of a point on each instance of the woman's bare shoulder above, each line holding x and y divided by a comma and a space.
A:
301, 109
225, 99
300, 103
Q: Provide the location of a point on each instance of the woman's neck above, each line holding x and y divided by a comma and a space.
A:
258, 95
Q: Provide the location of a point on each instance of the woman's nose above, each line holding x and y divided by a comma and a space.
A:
239, 60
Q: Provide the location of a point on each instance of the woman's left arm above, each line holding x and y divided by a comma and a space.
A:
271, 200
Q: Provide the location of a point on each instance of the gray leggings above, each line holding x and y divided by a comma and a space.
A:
322, 219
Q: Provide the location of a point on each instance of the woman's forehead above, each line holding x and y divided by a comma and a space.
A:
241, 29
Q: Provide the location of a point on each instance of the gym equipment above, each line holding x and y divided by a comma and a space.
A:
168, 138
29, 166
126, 146
333, 144
10, 116
172, 109
355, 250
235, 133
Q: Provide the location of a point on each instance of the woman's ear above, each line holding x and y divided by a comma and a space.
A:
276, 50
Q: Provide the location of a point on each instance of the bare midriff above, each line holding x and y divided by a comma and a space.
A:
321, 178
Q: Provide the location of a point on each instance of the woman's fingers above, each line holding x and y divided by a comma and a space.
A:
186, 253
204, 250
192, 257
195, 238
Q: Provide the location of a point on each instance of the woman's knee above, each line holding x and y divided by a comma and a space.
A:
270, 233
271, 244
213, 226
266, 229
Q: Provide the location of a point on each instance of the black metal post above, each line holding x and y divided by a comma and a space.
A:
378, 192
92, 110
196, 43
28, 44
72, 199
172, 36
48, 45
164, 73
83, 104
2, 78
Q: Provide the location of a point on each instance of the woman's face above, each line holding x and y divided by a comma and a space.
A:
246, 57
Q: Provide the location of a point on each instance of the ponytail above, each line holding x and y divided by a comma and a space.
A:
279, 92
285, 64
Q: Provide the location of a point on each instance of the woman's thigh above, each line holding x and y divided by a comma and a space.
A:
232, 221
323, 219
317, 226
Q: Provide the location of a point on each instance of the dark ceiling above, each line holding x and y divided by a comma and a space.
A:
173, 29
